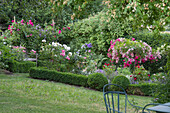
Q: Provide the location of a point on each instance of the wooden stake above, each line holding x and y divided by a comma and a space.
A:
14, 19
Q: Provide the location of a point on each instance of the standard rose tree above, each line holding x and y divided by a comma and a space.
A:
131, 52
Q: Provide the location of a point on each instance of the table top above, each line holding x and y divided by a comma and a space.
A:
165, 108
167, 104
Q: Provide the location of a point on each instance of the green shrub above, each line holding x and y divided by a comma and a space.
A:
63, 77
145, 89
21, 67
97, 81
154, 40
162, 94
98, 32
122, 81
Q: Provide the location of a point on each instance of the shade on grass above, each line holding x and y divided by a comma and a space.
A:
21, 94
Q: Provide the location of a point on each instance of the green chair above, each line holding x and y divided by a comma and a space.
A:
112, 104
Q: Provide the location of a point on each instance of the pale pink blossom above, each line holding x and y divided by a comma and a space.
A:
67, 58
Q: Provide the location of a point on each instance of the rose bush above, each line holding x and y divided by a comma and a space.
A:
132, 53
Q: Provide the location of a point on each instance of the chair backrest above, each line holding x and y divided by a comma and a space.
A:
112, 98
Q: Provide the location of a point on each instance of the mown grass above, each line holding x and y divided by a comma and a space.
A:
21, 94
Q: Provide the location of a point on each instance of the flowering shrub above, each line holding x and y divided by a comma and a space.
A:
159, 77
132, 52
140, 75
85, 60
31, 36
19, 52
164, 49
109, 72
56, 54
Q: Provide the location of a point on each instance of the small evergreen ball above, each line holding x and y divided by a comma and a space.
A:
122, 81
97, 81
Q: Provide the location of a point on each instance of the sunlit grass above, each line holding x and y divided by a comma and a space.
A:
21, 94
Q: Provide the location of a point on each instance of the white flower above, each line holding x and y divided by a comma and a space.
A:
53, 43
44, 40
0, 52
55, 55
4, 42
70, 54
65, 46
60, 45
68, 48
3, 39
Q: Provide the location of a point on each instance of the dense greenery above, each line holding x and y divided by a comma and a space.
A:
97, 81
146, 89
97, 31
63, 77
122, 81
44, 11
143, 13
76, 35
21, 67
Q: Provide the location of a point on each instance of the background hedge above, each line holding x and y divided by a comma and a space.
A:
21, 67
145, 89
63, 77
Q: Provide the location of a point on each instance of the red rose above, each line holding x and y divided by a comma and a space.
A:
135, 78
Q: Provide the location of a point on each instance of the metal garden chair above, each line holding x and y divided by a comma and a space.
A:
112, 104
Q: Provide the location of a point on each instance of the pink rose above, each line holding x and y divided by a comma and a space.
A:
133, 39
59, 32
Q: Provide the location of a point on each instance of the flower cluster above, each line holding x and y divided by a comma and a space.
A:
19, 52
131, 51
140, 74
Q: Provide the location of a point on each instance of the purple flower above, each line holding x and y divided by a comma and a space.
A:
99, 71
89, 45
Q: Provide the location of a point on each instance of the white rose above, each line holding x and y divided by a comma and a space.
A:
44, 40
68, 48
65, 46
70, 54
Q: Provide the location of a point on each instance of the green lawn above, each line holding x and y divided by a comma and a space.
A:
21, 94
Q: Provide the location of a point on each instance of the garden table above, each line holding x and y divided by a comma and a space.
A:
163, 108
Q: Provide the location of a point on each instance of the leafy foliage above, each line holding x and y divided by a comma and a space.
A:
21, 67
162, 92
146, 89
97, 81
36, 10
98, 32
122, 81
63, 77
5, 56
153, 14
